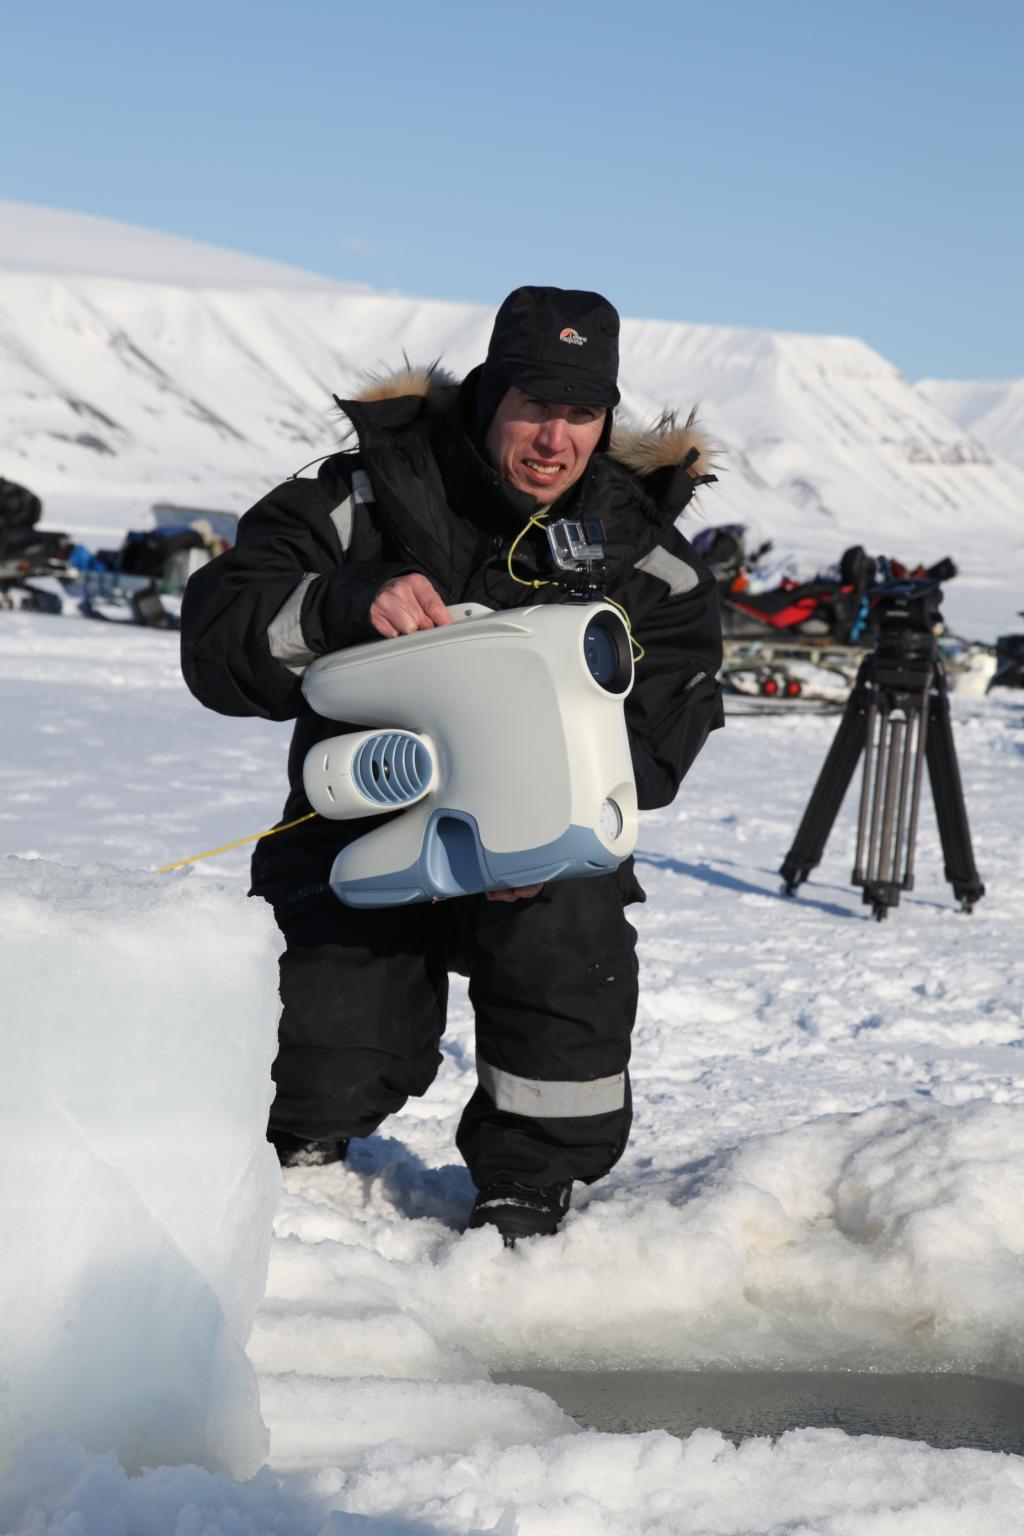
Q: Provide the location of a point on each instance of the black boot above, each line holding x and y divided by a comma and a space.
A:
521, 1210
295, 1152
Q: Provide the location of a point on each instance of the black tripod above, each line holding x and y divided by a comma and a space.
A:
898, 716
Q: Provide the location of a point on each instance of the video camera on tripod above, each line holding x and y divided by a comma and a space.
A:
897, 715
907, 618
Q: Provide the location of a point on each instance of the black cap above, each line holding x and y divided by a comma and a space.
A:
560, 344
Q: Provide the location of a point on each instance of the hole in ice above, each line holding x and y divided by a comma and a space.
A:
981, 1412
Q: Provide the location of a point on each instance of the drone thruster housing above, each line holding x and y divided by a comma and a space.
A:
499, 740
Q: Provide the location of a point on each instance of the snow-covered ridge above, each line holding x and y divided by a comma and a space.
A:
992, 411
137, 367
68, 244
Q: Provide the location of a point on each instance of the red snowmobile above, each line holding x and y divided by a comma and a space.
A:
778, 641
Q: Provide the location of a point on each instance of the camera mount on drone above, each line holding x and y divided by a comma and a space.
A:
897, 716
577, 553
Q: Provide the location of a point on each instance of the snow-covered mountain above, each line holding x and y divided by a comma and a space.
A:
51, 240
137, 367
992, 411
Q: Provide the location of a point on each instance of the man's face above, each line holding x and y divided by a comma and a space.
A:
540, 448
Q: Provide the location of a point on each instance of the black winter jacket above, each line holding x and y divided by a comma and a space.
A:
416, 496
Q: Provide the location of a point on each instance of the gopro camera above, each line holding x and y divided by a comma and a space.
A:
577, 545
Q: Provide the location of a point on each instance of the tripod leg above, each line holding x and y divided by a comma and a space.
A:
948, 795
888, 849
827, 795
897, 769
910, 793
876, 775
921, 715
872, 726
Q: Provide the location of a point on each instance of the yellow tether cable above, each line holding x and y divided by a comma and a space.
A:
253, 837
638, 651
536, 521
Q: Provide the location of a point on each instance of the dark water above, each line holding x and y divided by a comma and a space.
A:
946, 1411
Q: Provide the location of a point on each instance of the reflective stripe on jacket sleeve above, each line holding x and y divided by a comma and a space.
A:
284, 633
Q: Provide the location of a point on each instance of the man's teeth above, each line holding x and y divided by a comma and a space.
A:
542, 469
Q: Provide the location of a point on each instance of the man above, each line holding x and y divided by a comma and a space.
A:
434, 506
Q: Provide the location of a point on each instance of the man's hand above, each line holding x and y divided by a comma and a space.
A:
515, 893
407, 604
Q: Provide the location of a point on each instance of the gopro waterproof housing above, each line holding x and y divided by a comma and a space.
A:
500, 741
577, 544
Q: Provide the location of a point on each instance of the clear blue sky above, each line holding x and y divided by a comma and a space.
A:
851, 168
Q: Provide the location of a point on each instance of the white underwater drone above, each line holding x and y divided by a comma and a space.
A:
500, 738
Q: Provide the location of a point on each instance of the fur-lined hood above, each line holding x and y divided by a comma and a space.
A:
669, 443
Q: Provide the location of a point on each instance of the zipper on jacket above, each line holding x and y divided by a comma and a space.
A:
404, 548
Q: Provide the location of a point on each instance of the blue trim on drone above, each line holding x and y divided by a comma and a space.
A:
454, 862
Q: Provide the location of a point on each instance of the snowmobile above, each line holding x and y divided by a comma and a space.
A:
28, 553
831, 607
798, 641
142, 582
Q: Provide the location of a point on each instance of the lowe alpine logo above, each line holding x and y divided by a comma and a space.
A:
572, 337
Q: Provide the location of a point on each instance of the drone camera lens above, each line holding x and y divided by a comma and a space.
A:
606, 652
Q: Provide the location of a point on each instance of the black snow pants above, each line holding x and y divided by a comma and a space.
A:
553, 982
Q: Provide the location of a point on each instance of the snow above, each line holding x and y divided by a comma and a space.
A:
54, 240
828, 1149
992, 410
583, 1485
140, 1185
824, 1171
